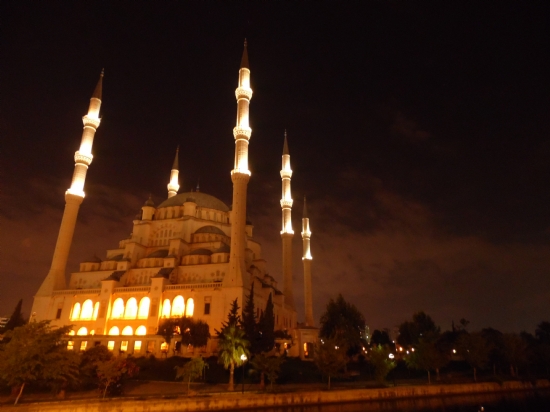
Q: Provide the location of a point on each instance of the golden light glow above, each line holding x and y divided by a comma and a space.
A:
75, 315
114, 331
83, 345
124, 346
118, 309
141, 331
143, 312
82, 331
166, 308
87, 311
70, 345
178, 306
137, 346
111, 345
190, 307
96, 310
127, 331
131, 309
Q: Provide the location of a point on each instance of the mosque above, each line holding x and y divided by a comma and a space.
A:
191, 255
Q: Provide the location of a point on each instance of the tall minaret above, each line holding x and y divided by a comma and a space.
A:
55, 279
306, 259
174, 186
240, 176
287, 233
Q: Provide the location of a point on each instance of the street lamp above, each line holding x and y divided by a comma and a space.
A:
243, 358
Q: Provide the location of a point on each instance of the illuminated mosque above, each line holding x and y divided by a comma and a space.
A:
191, 255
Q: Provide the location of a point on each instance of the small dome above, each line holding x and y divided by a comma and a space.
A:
200, 198
93, 259
116, 258
210, 229
158, 253
223, 249
201, 252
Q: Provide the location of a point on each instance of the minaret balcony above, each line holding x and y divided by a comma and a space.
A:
83, 158
242, 131
286, 203
243, 93
90, 121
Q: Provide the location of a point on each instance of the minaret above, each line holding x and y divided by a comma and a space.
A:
240, 176
55, 280
287, 233
306, 259
174, 186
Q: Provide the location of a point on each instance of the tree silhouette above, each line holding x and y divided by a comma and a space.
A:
232, 344
16, 318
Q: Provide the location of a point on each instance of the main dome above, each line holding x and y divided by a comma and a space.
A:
200, 198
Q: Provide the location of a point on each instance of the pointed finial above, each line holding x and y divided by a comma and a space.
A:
304, 215
149, 201
98, 88
285, 146
244, 59
175, 166
198, 189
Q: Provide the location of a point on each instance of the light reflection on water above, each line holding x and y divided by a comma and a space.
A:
504, 402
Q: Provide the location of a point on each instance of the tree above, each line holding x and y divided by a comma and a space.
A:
233, 318
16, 318
249, 322
515, 351
475, 350
167, 328
194, 332
380, 360
36, 352
428, 357
266, 327
543, 332
112, 371
330, 358
232, 345
269, 366
191, 370
89, 361
421, 326
380, 338
343, 323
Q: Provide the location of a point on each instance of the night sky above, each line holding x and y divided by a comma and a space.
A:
419, 132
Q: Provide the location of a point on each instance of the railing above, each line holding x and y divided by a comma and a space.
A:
193, 286
77, 292
132, 289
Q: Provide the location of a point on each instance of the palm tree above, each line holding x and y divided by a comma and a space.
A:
232, 345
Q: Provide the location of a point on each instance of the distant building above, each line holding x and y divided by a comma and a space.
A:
3, 322
191, 255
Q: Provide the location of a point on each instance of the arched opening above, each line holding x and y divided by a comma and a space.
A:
96, 310
141, 331
87, 310
82, 332
114, 331
76, 311
127, 331
143, 312
131, 309
190, 307
166, 308
118, 309
178, 306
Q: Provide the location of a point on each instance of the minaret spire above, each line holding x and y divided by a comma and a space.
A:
240, 175
306, 259
55, 279
173, 185
286, 232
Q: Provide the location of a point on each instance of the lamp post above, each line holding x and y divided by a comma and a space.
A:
243, 358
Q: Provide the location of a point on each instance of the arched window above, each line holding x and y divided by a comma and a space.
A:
76, 311
190, 307
72, 333
127, 331
131, 309
96, 310
114, 331
166, 308
178, 306
87, 310
82, 332
143, 312
118, 309
141, 331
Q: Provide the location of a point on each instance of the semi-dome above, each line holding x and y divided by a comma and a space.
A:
158, 253
201, 252
200, 198
210, 229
